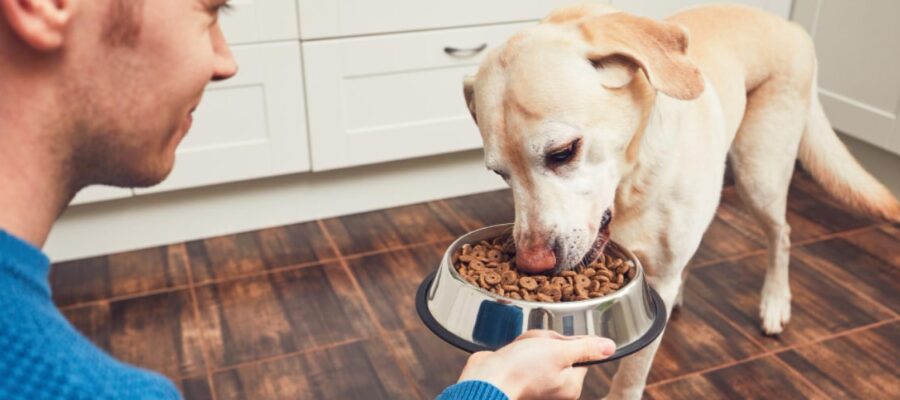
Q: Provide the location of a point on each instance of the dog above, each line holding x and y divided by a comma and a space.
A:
595, 111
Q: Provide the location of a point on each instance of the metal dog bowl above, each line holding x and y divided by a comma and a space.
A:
474, 319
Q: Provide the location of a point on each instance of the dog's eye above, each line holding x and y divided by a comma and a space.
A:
564, 155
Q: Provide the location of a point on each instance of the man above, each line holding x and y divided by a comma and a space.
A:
101, 92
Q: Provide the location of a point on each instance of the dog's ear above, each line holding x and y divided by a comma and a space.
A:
621, 43
469, 93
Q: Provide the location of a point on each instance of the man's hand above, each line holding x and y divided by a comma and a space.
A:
538, 365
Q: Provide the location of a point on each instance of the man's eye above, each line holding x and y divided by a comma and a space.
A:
564, 155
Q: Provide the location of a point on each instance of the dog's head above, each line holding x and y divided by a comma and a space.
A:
561, 107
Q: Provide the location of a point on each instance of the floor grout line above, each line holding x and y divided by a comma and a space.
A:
281, 356
775, 352
797, 244
204, 344
112, 299
850, 288
800, 376
396, 248
366, 304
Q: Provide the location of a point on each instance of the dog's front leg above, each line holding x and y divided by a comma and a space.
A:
630, 379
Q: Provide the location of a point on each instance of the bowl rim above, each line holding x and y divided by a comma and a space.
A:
447, 262
659, 322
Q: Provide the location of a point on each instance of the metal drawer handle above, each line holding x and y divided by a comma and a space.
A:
458, 52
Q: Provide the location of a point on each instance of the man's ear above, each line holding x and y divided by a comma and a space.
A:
622, 43
469, 93
41, 24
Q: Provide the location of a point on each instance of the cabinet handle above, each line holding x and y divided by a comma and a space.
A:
458, 52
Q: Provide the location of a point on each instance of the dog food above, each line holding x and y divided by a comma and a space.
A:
492, 267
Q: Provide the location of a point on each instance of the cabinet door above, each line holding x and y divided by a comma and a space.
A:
391, 97
253, 21
858, 48
97, 193
249, 126
663, 8
334, 18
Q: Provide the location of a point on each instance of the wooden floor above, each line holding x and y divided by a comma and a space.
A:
324, 310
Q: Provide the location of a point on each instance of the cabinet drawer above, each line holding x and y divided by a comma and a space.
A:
249, 126
391, 97
252, 21
334, 18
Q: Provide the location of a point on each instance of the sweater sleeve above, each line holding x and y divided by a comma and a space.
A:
472, 390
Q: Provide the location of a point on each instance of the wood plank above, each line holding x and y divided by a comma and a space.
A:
388, 229
360, 370
195, 388
156, 332
820, 306
259, 251
122, 274
484, 209
761, 379
433, 363
390, 280
866, 262
861, 365
284, 312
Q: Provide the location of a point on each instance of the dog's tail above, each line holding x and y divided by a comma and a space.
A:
829, 162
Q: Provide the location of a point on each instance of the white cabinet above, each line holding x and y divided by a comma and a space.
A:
662, 8
250, 126
333, 18
389, 97
96, 193
252, 21
858, 47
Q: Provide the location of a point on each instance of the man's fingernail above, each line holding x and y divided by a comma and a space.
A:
609, 347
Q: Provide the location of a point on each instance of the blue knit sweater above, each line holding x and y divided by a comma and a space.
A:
43, 357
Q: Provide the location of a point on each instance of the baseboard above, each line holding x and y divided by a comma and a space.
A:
159, 219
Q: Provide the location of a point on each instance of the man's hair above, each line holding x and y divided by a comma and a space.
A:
123, 26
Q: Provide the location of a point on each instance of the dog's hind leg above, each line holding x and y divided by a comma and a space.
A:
763, 156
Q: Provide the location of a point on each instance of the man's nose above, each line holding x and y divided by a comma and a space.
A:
224, 65
535, 256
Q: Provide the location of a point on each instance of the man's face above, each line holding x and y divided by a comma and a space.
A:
134, 70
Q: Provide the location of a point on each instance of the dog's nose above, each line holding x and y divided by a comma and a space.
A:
535, 259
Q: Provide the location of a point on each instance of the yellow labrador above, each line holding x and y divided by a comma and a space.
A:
595, 110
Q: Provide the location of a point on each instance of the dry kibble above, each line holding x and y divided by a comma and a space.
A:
528, 283
493, 278
490, 265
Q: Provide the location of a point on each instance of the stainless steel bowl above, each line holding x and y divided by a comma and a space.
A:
474, 319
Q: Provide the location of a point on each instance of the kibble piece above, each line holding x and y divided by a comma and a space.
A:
492, 277
543, 297
528, 283
510, 288
509, 277
582, 281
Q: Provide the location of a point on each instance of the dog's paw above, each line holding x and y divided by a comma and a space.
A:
775, 311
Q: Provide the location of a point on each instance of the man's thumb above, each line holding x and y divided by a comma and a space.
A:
586, 349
